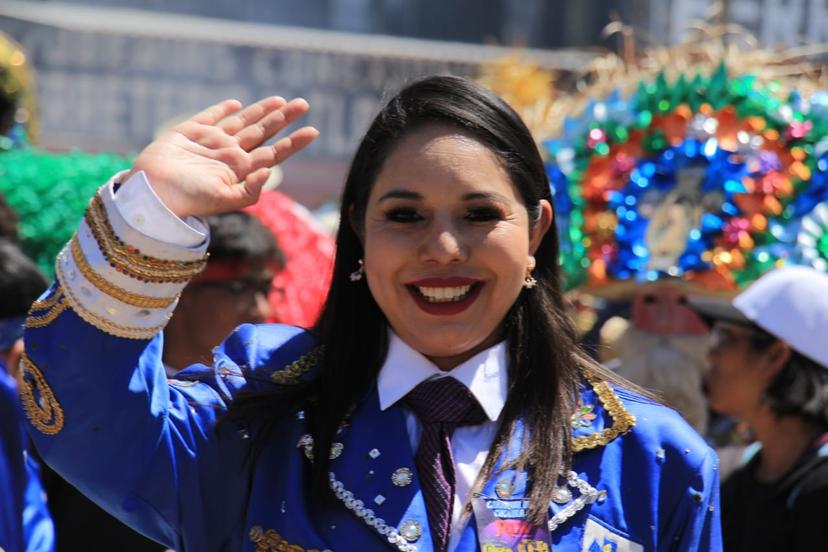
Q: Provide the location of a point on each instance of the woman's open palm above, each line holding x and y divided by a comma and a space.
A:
216, 161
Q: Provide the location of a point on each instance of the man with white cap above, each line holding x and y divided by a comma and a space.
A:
769, 368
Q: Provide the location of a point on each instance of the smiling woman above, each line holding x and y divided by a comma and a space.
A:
448, 243
440, 403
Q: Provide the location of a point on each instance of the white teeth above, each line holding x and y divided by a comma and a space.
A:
443, 294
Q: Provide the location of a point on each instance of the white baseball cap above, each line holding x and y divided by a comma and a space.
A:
790, 303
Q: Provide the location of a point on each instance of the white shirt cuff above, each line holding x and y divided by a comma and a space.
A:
144, 211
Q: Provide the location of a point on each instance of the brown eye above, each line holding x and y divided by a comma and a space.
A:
403, 215
483, 214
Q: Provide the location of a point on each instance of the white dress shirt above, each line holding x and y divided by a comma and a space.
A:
485, 376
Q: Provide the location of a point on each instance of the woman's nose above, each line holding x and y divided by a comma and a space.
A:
444, 244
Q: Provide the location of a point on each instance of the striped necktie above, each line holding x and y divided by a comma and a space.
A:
441, 405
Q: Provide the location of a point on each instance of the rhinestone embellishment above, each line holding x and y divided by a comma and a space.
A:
369, 517
402, 477
411, 530
306, 444
374, 454
504, 489
561, 495
379, 499
336, 450
589, 494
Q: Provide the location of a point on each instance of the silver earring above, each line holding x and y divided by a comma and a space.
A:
529, 281
357, 274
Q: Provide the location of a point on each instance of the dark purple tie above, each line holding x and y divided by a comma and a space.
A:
441, 405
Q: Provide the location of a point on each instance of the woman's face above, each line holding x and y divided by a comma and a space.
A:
447, 243
738, 374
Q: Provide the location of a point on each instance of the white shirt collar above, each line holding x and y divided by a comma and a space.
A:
484, 374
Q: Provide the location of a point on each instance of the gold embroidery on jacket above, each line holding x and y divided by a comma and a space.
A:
110, 289
290, 374
103, 324
53, 305
271, 541
131, 261
43, 411
43, 304
622, 420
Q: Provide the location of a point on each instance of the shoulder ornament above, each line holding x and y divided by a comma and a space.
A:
43, 312
291, 374
44, 411
622, 419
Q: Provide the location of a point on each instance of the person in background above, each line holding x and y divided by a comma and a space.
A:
769, 357
232, 290
25, 524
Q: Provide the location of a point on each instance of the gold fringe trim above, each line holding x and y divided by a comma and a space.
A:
290, 374
46, 414
271, 541
101, 323
622, 420
41, 320
108, 288
47, 303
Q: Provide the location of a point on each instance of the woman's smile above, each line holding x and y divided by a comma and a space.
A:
445, 296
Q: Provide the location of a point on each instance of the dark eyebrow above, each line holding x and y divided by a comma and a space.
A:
407, 194
399, 194
485, 195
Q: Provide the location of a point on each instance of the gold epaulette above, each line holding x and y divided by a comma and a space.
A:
622, 420
42, 313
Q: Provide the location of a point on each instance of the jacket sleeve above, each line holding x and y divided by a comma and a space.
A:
96, 398
700, 512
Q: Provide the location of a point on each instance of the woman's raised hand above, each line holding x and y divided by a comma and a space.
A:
216, 161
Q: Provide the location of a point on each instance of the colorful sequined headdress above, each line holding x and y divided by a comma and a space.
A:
701, 163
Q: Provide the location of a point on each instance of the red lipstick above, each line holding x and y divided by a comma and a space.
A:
444, 308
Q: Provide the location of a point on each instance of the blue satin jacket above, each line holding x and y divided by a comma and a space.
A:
149, 450
25, 524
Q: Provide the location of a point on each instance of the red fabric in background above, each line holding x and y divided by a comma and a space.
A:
309, 252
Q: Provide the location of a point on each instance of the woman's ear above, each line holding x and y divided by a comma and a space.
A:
356, 225
540, 227
777, 357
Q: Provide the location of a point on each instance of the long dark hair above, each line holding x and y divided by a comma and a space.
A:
546, 366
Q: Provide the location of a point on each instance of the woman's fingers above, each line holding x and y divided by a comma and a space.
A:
254, 182
265, 128
267, 156
217, 112
205, 135
250, 115
246, 192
